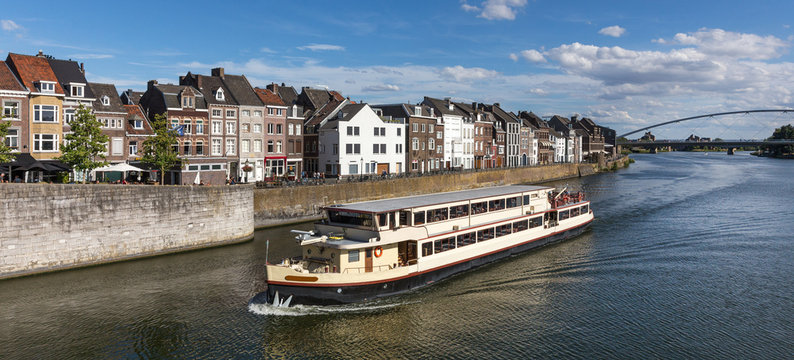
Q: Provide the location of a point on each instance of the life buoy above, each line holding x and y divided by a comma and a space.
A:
377, 251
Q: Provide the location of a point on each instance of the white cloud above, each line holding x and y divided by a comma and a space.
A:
321, 47
460, 73
91, 56
533, 56
267, 50
496, 9
9, 25
513, 57
538, 91
613, 31
381, 87
718, 42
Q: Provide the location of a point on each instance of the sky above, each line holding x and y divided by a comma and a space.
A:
625, 64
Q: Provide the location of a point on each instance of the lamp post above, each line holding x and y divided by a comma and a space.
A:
361, 170
245, 169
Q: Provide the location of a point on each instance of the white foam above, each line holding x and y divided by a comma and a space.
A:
303, 310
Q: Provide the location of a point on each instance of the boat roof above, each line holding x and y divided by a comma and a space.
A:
377, 206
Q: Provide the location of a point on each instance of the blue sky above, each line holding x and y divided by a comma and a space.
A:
625, 64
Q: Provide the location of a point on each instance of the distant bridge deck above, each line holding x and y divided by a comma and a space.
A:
740, 142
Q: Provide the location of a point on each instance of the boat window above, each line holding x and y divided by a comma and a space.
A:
350, 218
427, 248
513, 202
498, 204
526, 199
479, 208
419, 218
503, 230
437, 214
442, 245
467, 239
485, 234
520, 225
459, 211
535, 222
585, 209
352, 255
404, 216
563, 215
382, 219
575, 212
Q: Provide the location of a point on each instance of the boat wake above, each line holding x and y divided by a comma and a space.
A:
264, 308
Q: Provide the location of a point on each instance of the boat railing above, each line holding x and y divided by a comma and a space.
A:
566, 199
359, 270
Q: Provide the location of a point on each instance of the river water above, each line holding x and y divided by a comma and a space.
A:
690, 256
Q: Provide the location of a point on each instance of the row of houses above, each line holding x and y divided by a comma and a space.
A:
230, 129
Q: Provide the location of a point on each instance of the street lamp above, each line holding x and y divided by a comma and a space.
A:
361, 170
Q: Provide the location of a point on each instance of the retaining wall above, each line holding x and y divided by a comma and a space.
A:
53, 226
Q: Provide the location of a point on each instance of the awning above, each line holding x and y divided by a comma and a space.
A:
547, 143
121, 167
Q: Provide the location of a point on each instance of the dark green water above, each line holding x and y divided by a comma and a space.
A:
690, 256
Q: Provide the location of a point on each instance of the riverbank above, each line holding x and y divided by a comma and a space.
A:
287, 205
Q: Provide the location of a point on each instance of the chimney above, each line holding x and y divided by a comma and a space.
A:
217, 72
82, 69
496, 104
432, 112
573, 118
282, 84
273, 87
151, 84
40, 54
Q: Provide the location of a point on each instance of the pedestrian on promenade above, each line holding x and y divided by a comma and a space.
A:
17, 179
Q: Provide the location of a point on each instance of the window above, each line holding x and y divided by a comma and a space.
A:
231, 113
199, 148
45, 113
280, 112
217, 127
270, 146
270, 111
398, 148
353, 169
244, 145
77, 91
279, 129
68, 115
442, 245
188, 126
187, 101
45, 142
458, 211
12, 139
245, 128
399, 132
199, 127
258, 113
270, 127
217, 147
230, 147
467, 239
278, 146
257, 145
424, 129
377, 131
415, 144
357, 148
485, 234
419, 218
219, 95
186, 147
336, 149
230, 127
133, 147
297, 129
11, 110
352, 256
348, 148
513, 202
440, 214
431, 144
257, 128
382, 148
290, 129
427, 248
375, 148
498, 204
415, 127
439, 135
216, 113
47, 87
245, 112
350, 131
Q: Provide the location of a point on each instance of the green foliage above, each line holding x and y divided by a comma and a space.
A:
5, 151
85, 146
158, 150
785, 132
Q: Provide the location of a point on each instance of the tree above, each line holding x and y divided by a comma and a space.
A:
86, 145
785, 132
5, 151
158, 150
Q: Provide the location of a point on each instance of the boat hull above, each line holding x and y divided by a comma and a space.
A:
343, 294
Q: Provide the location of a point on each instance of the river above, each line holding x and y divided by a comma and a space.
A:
690, 256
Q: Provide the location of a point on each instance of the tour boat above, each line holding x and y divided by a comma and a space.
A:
372, 249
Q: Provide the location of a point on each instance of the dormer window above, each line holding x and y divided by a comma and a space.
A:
77, 90
418, 111
219, 95
105, 100
46, 86
138, 124
187, 101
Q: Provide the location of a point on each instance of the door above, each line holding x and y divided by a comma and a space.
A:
368, 260
383, 168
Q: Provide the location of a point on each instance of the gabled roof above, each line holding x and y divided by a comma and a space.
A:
171, 94
69, 71
442, 107
324, 112
466, 109
241, 90
209, 86
109, 90
30, 69
501, 114
9, 81
403, 110
314, 98
534, 120
288, 94
347, 112
134, 112
129, 97
268, 97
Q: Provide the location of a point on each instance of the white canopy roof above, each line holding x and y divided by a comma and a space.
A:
123, 167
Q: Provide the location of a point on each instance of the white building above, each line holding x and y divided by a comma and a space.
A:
357, 141
455, 144
559, 144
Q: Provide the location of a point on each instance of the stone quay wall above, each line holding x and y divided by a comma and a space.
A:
285, 205
49, 227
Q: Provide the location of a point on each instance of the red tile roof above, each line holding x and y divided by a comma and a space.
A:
32, 69
8, 81
268, 97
